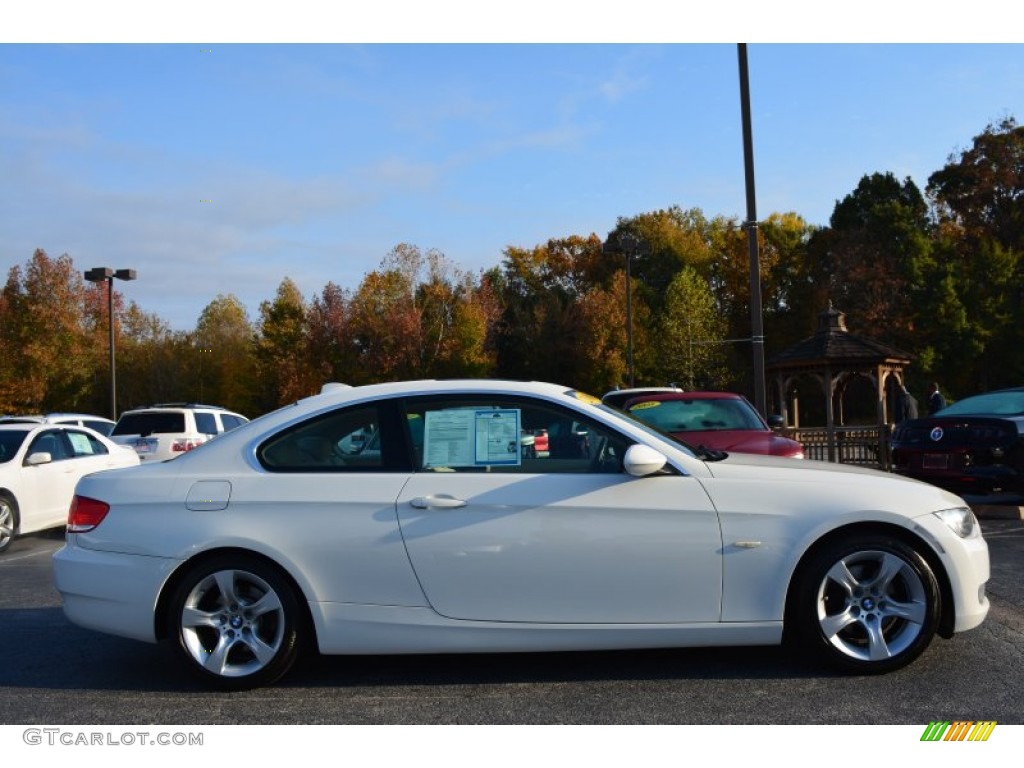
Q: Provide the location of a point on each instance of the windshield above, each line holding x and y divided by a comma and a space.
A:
10, 442
655, 432
990, 404
698, 415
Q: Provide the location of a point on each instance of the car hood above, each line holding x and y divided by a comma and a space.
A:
740, 441
824, 485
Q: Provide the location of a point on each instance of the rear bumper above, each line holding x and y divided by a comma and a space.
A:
109, 591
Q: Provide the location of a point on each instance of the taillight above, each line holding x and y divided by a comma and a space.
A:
85, 514
185, 444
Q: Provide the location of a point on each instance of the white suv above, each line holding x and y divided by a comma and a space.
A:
162, 432
97, 423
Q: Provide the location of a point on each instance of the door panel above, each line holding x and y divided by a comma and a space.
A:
564, 548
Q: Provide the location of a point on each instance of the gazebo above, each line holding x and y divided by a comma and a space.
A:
836, 358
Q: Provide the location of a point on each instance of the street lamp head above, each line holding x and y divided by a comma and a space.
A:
125, 274
625, 242
99, 274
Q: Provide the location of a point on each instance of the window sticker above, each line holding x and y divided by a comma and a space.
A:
80, 443
471, 438
645, 406
583, 397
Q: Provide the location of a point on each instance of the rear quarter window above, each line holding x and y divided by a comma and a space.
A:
206, 423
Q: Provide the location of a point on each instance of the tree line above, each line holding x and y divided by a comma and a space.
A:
936, 273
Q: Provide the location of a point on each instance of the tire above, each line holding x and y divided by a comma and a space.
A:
236, 622
8, 521
868, 604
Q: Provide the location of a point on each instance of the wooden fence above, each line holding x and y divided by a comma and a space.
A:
864, 446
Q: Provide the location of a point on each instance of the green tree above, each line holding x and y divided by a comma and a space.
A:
976, 310
691, 339
879, 257
223, 354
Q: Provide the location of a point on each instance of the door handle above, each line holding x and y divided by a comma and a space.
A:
437, 502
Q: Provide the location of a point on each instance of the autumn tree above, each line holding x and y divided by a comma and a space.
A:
385, 327
283, 355
333, 353
543, 332
49, 360
154, 363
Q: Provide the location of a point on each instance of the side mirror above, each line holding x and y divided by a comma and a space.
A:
642, 460
775, 421
41, 457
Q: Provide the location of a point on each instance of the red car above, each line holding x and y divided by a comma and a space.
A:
721, 421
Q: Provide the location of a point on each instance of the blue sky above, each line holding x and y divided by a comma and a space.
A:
215, 168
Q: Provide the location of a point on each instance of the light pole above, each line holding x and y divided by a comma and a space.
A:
756, 319
631, 245
107, 275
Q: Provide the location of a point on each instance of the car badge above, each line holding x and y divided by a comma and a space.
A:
936, 434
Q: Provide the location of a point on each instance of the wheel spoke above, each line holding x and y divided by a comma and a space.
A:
266, 604
263, 652
226, 584
914, 612
841, 575
833, 625
192, 618
878, 646
217, 660
889, 569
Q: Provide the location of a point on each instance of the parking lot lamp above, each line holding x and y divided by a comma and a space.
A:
630, 245
108, 275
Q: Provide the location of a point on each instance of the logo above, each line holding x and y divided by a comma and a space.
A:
936, 434
960, 730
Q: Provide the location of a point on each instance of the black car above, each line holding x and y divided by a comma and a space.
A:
975, 446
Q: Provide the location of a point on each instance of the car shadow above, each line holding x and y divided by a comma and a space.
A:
55, 654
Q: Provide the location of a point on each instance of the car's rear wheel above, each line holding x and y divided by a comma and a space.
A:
867, 604
237, 622
8, 520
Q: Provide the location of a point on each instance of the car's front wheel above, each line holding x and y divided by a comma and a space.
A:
237, 622
867, 604
8, 520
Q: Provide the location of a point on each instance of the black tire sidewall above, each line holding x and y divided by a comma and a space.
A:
12, 505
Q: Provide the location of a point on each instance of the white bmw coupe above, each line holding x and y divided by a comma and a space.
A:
408, 518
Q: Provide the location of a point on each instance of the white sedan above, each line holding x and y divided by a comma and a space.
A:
445, 536
40, 463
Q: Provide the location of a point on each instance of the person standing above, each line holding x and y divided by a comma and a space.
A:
936, 402
906, 406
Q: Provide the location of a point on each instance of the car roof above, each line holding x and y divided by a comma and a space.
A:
687, 396
51, 418
176, 407
426, 386
20, 426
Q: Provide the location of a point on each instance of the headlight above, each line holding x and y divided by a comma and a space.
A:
961, 521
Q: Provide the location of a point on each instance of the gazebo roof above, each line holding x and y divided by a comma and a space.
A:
834, 344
